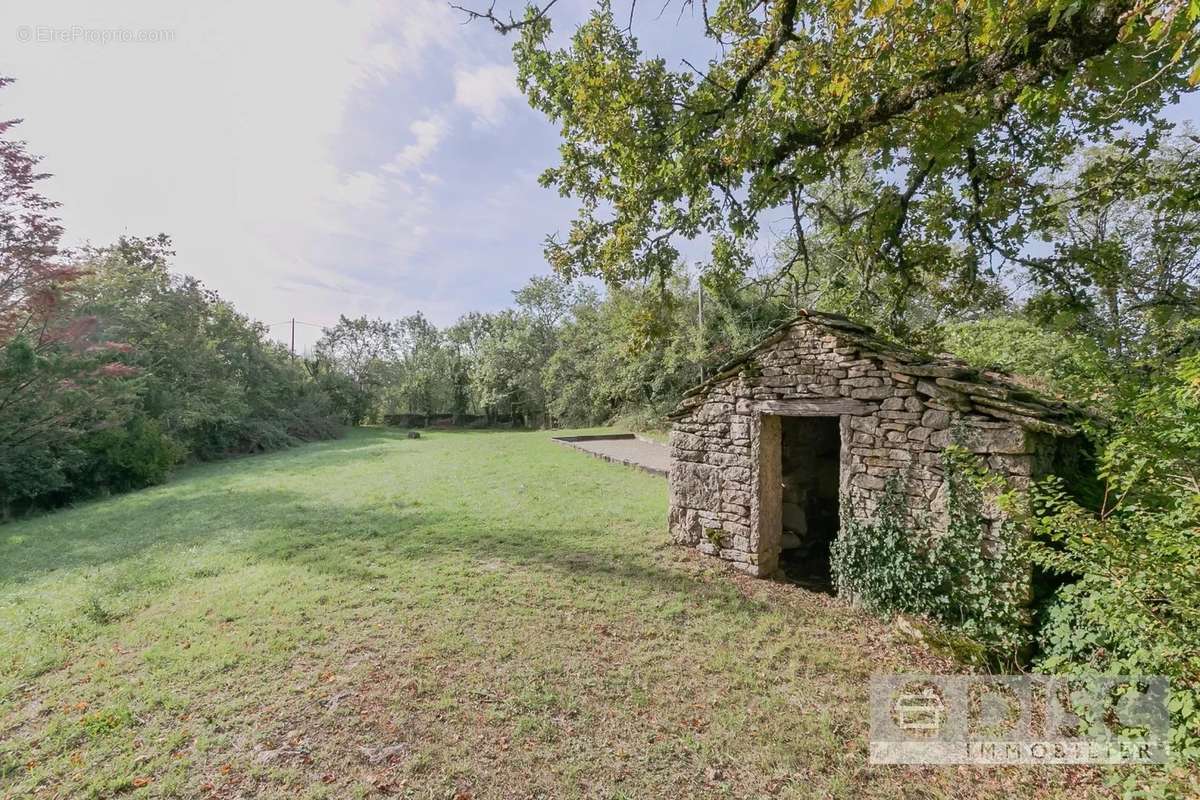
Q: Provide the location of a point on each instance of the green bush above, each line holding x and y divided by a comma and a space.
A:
32, 472
1057, 361
1132, 605
211, 378
879, 563
127, 457
348, 403
314, 416
148, 368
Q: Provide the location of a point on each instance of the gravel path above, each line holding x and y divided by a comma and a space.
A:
650, 456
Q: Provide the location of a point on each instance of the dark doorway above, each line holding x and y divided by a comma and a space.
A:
811, 461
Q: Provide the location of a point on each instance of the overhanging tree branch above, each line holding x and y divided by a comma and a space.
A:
1044, 51
784, 32
512, 23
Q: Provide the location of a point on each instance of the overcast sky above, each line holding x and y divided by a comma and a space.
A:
308, 158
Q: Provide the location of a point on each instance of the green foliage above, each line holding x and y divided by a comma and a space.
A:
632, 354
105, 721
955, 116
53, 386
93, 611
506, 375
406, 365
1055, 362
489, 364
53, 394
969, 577
126, 457
349, 402
714, 536
145, 368
208, 375
986, 582
878, 564
1125, 228
1132, 604
563, 355
34, 471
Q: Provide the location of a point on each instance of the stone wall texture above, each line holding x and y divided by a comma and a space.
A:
896, 409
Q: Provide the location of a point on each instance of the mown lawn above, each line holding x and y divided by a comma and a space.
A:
464, 615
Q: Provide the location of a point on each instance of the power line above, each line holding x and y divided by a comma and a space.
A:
294, 322
300, 322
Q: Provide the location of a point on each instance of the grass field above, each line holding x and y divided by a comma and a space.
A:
463, 615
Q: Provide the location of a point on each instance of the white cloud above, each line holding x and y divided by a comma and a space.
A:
307, 158
486, 91
427, 134
224, 134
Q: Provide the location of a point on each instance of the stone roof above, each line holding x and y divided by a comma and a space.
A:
944, 378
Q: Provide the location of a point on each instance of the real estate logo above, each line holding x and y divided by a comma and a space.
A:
1021, 719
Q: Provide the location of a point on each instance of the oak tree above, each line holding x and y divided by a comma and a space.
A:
957, 109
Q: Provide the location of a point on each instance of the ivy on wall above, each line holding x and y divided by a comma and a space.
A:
970, 578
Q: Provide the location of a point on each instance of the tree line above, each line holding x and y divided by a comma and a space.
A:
562, 355
113, 369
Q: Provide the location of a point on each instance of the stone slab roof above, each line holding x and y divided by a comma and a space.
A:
944, 378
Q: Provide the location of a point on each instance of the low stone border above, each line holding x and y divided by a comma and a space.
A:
575, 441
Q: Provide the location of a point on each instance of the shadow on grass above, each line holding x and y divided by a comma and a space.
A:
365, 544
347, 541
343, 541
116, 526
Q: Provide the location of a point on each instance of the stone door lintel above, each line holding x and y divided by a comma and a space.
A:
815, 407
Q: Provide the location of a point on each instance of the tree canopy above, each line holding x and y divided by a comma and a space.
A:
956, 111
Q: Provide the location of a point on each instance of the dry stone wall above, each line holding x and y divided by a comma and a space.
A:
895, 417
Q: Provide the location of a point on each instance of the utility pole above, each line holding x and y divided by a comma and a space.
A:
293, 338
700, 322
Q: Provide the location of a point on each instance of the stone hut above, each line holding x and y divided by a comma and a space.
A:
804, 430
